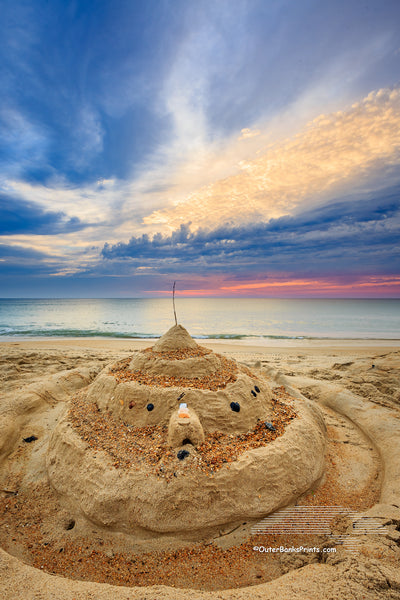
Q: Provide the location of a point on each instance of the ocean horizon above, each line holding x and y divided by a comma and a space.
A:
255, 319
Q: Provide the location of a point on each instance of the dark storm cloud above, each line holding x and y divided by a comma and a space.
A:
21, 261
18, 252
340, 236
21, 216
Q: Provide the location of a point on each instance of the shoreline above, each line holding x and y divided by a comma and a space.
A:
284, 346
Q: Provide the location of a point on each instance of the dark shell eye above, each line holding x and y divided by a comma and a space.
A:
257, 389
150, 407
235, 406
269, 426
182, 454
253, 393
30, 439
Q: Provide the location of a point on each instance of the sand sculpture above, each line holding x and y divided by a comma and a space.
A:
179, 438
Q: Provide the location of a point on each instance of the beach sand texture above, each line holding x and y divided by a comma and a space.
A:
52, 551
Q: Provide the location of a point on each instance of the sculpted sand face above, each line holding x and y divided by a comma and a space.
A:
234, 452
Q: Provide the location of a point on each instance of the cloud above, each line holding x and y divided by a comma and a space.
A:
248, 133
200, 137
342, 237
332, 286
88, 137
17, 261
20, 252
23, 143
94, 203
322, 284
20, 216
50, 218
339, 248
352, 148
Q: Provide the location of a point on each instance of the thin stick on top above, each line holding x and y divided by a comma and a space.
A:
173, 302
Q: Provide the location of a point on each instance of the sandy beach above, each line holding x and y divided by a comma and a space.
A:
50, 552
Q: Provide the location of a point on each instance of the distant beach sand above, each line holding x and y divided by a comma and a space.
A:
356, 384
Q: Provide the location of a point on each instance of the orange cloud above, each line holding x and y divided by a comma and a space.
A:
334, 154
248, 133
195, 293
371, 284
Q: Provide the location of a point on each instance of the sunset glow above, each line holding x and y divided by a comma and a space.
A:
240, 148
376, 287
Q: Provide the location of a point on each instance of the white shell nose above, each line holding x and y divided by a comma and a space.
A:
184, 424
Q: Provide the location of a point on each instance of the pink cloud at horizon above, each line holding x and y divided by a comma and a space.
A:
371, 286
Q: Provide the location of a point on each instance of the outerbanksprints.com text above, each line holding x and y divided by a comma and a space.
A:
291, 549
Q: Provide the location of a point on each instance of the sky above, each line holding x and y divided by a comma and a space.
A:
242, 148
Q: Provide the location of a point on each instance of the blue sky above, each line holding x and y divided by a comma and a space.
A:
241, 148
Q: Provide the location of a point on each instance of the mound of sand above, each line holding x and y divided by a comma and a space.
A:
176, 338
182, 493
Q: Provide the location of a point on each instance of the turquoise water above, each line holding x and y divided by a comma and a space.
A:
203, 317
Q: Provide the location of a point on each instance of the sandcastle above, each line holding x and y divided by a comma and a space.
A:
179, 438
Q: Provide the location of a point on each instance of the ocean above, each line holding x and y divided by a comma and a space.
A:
257, 320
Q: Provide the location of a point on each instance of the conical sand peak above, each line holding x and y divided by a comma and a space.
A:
175, 338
